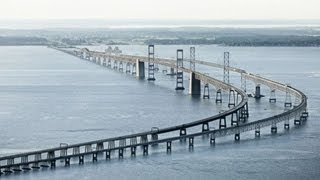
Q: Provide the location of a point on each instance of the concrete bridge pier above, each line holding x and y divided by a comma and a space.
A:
232, 98
25, 167
274, 128
120, 153
104, 63
194, 85
133, 150
115, 64
257, 131
237, 135
145, 149
121, 66
286, 124
134, 68
235, 118
169, 143
81, 159
219, 96
128, 68
191, 142
67, 161
206, 94
99, 61
287, 102
108, 154
94, 59
109, 63
272, 98
257, 94
140, 69
222, 123
212, 138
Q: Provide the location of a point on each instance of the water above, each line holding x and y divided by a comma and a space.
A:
48, 97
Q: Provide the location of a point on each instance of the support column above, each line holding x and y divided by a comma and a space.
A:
191, 141
287, 102
194, 85
272, 98
133, 72
145, 149
232, 98
128, 68
274, 128
121, 66
257, 131
222, 123
151, 63
219, 96
140, 69
169, 146
206, 94
212, 138
179, 82
257, 94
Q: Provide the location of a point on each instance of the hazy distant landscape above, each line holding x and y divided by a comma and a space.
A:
166, 33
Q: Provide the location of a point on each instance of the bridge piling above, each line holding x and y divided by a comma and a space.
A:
108, 154
222, 122
212, 138
237, 137
128, 68
120, 66
206, 94
194, 85
257, 94
94, 157
140, 69
81, 159
133, 150
274, 128
145, 149
169, 146
109, 63
133, 71
191, 140
120, 153
219, 96
287, 102
232, 98
67, 161
272, 98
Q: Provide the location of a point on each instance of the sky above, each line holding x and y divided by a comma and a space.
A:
160, 9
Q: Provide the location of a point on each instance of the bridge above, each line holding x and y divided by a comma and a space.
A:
236, 115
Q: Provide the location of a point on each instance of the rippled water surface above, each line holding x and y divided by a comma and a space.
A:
48, 97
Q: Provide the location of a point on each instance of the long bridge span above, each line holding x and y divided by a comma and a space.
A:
237, 113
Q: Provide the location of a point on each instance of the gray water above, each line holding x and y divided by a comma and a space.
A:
48, 97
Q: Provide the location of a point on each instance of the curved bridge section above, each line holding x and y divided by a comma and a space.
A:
238, 113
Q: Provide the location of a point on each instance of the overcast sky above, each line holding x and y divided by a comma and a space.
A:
160, 9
